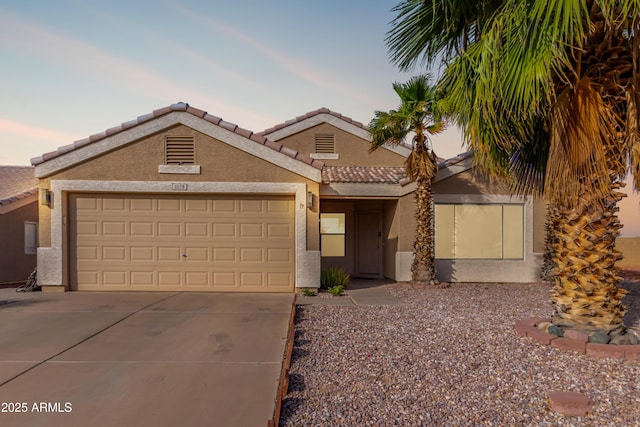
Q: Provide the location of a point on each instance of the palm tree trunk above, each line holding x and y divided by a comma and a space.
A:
555, 219
586, 295
423, 268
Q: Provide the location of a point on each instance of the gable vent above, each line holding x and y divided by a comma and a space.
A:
179, 150
325, 143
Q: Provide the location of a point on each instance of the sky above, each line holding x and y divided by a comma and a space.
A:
73, 68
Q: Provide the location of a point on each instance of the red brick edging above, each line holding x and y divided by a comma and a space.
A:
283, 383
529, 328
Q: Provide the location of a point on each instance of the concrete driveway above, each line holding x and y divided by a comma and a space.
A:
138, 359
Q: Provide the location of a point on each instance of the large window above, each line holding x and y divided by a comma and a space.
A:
332, 233
479, 231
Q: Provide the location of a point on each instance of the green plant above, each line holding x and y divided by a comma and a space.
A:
336, 291
333, 276
308, 292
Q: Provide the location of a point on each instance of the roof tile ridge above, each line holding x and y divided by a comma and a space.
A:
19, 196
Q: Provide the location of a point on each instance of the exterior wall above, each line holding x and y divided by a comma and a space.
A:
135, 168
351, 149
630, 247
348, 261
390, 233
15, 265
539, 224
139, 161
477, 188
405, 226
351, 208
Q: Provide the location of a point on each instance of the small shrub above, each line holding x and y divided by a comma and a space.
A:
308, 292
333, 277
336, 291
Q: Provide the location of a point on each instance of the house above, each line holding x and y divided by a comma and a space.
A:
18, 223
179, 199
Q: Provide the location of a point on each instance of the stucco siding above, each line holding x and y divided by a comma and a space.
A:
139, 161
352, 149
630, 247
15, 265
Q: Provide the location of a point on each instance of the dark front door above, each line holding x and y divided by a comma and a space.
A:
369, 244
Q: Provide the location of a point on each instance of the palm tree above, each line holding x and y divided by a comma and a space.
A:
546, 91
417, 115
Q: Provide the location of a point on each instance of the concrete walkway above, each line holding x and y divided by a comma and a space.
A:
368, 292
140, 359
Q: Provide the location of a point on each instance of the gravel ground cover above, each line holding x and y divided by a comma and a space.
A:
450, 357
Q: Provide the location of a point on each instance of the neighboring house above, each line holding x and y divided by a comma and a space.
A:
181, 200
18, 223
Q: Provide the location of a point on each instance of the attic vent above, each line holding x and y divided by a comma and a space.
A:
325, 143
179, 150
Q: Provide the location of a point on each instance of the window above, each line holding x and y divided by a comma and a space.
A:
479, 231
332, 233
179, 150
30, 238
325, 143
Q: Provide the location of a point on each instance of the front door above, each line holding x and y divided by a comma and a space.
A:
369, 244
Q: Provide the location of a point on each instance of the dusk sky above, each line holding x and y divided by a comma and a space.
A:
72, 68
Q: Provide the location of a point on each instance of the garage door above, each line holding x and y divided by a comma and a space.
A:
169, 243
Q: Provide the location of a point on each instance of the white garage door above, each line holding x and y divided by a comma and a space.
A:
194, 243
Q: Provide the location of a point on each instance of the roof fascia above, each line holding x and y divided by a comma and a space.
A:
454, 169
33, 198
334, 121
127, 136
365, 190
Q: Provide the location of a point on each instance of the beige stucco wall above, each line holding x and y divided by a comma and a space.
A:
15, 265
474, 182
140, 160
352, 149
630, 247
390, 233
219, 162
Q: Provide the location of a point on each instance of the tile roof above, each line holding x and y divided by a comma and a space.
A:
16, 183
311, 114
443, 163
379, 174
180, 106
363, 174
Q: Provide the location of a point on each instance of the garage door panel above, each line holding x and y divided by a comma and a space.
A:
279, 255
197, 278
141, 205
137, 242
251, 255
169, 205
171, 253
141, 229
251, 231
224, 255
251, 206
197, 254
142, 278
169, 229
87, 253
114, 278
87, 228
114, 204
114, 253
224, 230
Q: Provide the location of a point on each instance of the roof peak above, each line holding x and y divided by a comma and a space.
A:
310, 114
178, 107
